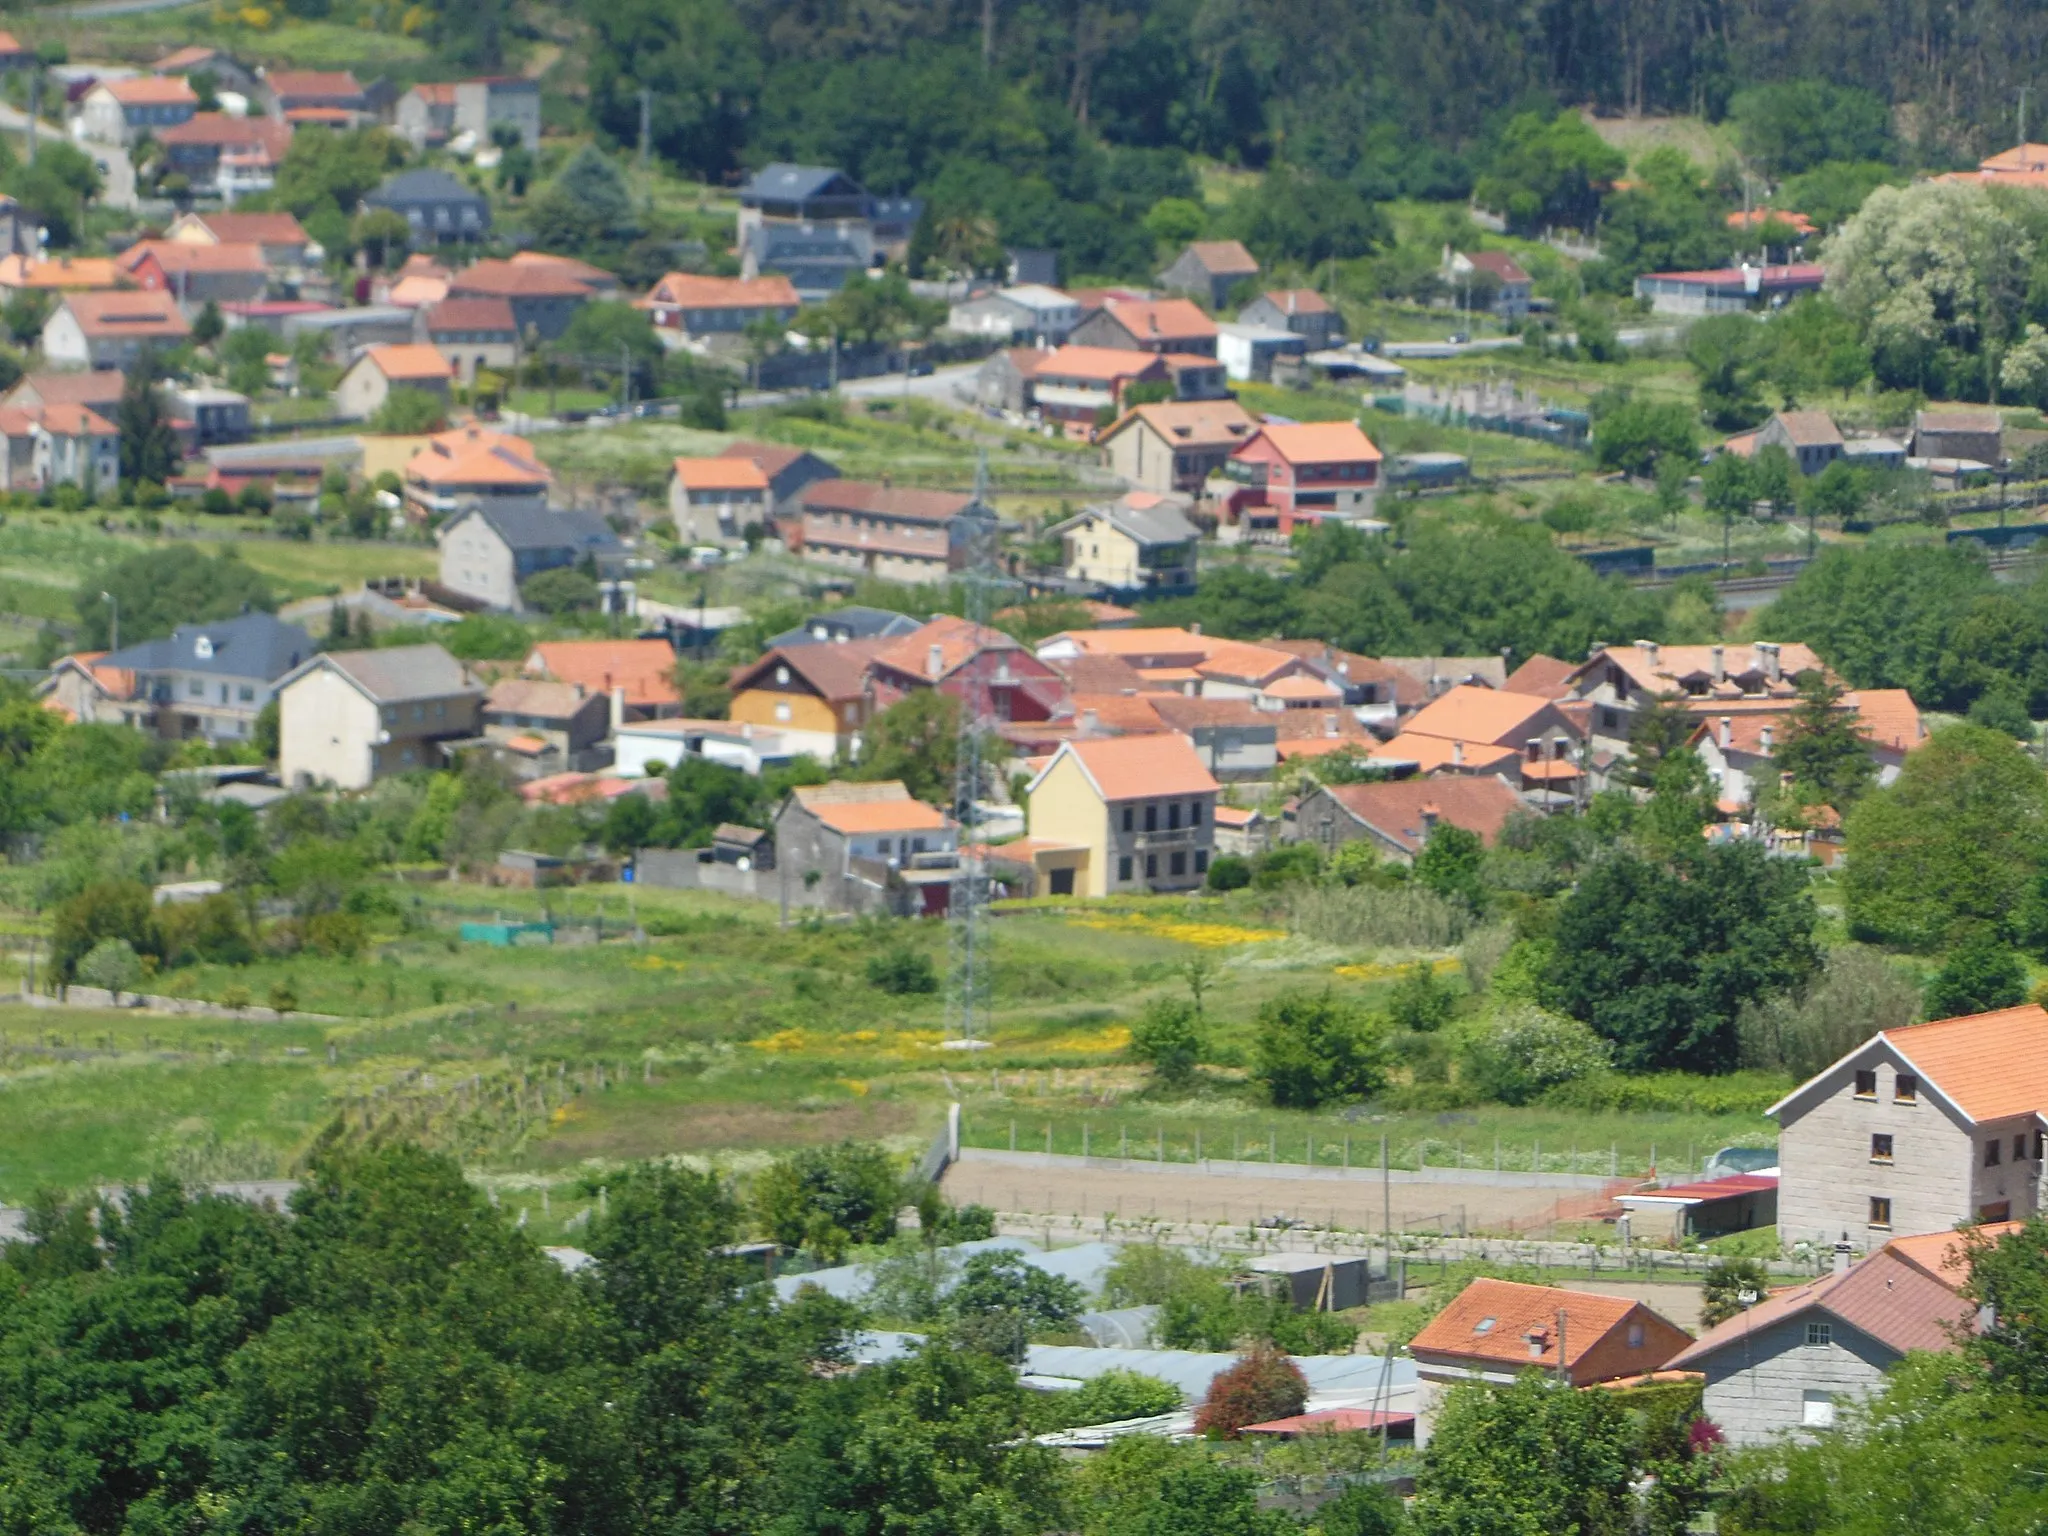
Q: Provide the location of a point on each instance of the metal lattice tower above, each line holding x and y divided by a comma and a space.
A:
967, 933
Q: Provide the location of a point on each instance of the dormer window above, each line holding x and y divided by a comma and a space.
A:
1485, 1325
203, 647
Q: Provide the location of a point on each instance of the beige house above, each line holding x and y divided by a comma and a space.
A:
1141, 544
348, 718
1917, 1130
473, 334
1143, 808
714, 500
1175, 446
373, 376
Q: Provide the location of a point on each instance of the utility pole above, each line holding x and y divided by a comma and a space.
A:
988, 38
35, 109
646, 135
114, 626
2023, 116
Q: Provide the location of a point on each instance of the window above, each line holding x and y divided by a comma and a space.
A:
1905, 1089
1151, 866
1880, 1211
1128, 813
1202, 862
1820, 1335
1866, 1085
1173, 817
782, 709
2019, 1148
1194, 813
196, 688
1151, 818
1819, 1410
1635, 1335
247, 694
1177, 864
1123, 869
1485, 1325
1880, 1149
1992, 1148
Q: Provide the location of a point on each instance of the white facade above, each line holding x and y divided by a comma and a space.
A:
91, 462
327, 732
64, 340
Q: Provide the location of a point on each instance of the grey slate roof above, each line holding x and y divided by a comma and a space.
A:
785, 183
409, 188
1163, 522
402, 672
531, 528
850, 623
248, 645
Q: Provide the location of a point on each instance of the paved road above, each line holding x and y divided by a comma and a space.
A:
116, 7
117, 169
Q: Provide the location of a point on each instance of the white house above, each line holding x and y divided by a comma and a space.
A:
348, 718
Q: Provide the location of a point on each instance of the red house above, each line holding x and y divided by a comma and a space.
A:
1293, 474
994, 674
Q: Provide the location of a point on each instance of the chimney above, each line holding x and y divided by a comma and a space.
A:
1842, 1255
934, 660
1457, 754
1430, 816
579, 693
1330, 725
1195, 629
618, 709
1594, 648
1773, 669
1767, 734
1717, 664
1091, 722
1539, 1339
1649, 650
1727, 732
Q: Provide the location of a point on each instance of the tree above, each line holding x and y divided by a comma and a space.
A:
1119, 1394
852, 1189
159, 589
1634, 435
113, 964
587, 205
1262, 1386
1549, 171
1885, 616
1731, 1286
1168, 1039
1314, 1048
1728, 354
1660, 961
1421, 1001
563, 590
25, 315
515, 161
410, 412
208, 326
1669, 219
1828, 758
1980, 975
329, 174
1290, 216
609, 329
149, 447
1523, 1051
1450, 863
628, 825
117, 910
1953, 846
914, 740
1002, 1282
1791, 126
382, 234
1527, 1457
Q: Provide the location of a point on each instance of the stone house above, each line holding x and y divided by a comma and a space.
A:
490, 552
1148, 325
1398, 816
1209, 269
1810, 437
860, 847
1960, 434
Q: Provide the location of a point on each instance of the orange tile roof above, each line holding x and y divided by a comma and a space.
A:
410, 360
509, 279
1504, 1324
1472, 713
1233, 816
587, 273
956, 641
1100, 364
1162, 320
464, 314
1300, 687
1241, 661
1139, 642
312, 82
1402, 809
1945, 1256
338, 117
1320, 442
1130, 714
1224, 257
1665, 669
1298, 301
76, 421
1437, 754
184, 256
221, 131
192, 56
118, 315
259, 228
151, 91
1139, 767
720, 475
1887, 1297
884, 806
688, 290
474, 455
1888, 716
641, 667
61, 272
1989, 1065
422, 290
1757, 218
1546, 677
1190, 423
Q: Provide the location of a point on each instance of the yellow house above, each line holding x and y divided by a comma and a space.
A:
1140, 545
816, 695
1143, 807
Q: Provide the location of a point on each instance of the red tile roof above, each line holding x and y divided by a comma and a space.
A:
1896, 1302
720, 475
688, 290
256, 228
221, 131
1497, 264
1502, 1324
1225, 258
898, 502
1162, 320
471, 315
1298, 301
409, 360
114, 316
642, 667
1320, 442
1138, 767
836, 673
955, 641
1472, 713
507, 279
1989, 1065
151, 91
1404, 810
176, 256
287, 83
1545, 677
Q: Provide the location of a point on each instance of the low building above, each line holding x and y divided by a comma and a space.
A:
286, 246
1210, 269
639, 674
816, 696
1142, 806
789, 471
1494, 279
197, 275
1728, 290
435, 206
1148, 325
217, 415
211, 680
1295, 474
489, 552
1701, 1209
349, 718
545, 728
713, 306
21, 273
122, 111
1398, 816
1978, 435
1174, 447
544, 295
474, 466
1811, 438
329, 97
219, 153
1140, 545
432, 113
1495, 1331
110, 329
380, 370
343, 333
714, 501
1300, 310
1027, 313
1790, 1363
473, 335
851, 845
889, 531
1918, 1129
76, 445
1249, 351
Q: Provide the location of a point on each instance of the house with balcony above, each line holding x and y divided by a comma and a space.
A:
328, 98
817, 226
893, 532
1142, 809
1175, 447
1297, 474
1140, 545
225, 155
211, 680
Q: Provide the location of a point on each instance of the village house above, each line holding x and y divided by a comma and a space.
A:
1300, 310
1141, 544
1398, 816
282, 238
1236, 740
1173, 446
1249, 352
489, 552
544, 296
432, 113
110, 329
1496, 1330
437, 208
56, 275
1148, 325
228, 72
474, 466
373, 376
1473, 730
789, 471
710, 306
1792, 1361
540, 728
714, 501
349, 718
639, 674
1368, 687
1618, 681
1492, 280
217, 415
1289, 475
1916, 1130
200, 147
816, 696
473, 335
1140, 807
991, 673
99, 388
1811, 438
837, 626
1028, 313
850, 847
893, 532
122, 111
1728, 290
329, 98
1976, 436
1210, 269
75, 445
197, 275
1739, 749
1073, 385
210, 680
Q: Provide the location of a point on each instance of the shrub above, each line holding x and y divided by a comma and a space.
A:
1726, 1281
1421, 999
1168, 1039
1116, 1395
210, 929
336, 933
1362, 916
1287, 864
1858, 993
1001, 1281
853, 1188
902, 971
1315, 1048
1733, 1093
1523, 1051
109, 909
966, 1223
113, 964
1228, 872
1982, 974
1264, 1385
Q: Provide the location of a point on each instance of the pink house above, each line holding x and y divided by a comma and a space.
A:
1295, 474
